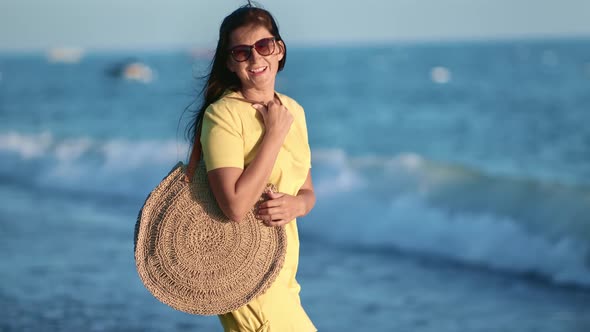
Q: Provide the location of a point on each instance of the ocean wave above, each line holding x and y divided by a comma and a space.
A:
418, 205
404, 201
87, 165
552, 208
409, 224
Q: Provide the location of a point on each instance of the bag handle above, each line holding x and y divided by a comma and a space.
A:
195, 155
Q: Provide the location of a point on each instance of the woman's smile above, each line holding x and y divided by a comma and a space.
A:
258, 70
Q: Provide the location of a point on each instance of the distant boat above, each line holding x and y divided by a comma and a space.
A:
440, 75
132, 70
65, 54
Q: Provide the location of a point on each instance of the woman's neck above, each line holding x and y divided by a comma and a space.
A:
263, 97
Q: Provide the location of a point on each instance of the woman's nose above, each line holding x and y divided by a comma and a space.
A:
255, 55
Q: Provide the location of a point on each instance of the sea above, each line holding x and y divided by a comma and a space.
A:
452, 182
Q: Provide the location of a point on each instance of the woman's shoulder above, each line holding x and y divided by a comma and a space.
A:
287, 100
225, 104
290, 103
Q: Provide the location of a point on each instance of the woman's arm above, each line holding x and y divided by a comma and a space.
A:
237, 190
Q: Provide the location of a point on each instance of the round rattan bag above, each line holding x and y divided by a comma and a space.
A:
193, 258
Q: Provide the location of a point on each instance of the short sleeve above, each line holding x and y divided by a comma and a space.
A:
303, 122
221, 138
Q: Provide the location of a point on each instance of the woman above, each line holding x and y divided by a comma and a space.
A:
252, 135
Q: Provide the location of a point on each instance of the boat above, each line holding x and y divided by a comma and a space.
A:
65, 55
132, 70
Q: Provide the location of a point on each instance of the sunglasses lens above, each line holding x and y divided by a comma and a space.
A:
241, 53
265, 46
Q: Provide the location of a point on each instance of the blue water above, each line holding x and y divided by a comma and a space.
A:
453, 185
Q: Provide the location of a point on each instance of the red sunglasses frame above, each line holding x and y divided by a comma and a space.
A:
249, 48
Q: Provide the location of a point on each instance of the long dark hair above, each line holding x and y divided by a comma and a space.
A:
220, 78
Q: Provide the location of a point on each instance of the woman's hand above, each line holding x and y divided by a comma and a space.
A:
280, 209
277, 119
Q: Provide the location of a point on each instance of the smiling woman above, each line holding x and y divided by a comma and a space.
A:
252, 135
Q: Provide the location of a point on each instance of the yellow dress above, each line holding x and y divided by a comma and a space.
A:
231, 136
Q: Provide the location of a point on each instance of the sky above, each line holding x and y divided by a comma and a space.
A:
149, 24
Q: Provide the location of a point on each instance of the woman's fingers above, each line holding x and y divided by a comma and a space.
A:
272, 219
279, 210
272, 216
277, 118
261, 109
269, 211
276, 223
273, 195
272, 105
270, 204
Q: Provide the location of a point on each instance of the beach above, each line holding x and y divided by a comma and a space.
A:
451, 180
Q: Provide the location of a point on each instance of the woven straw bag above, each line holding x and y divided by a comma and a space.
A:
190, 256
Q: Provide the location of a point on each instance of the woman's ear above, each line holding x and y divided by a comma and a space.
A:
281, 54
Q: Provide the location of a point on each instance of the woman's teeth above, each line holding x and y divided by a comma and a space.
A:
257, 70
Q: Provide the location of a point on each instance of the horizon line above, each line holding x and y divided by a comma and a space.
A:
175, 47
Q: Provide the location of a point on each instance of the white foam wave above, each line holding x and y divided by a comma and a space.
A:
343, 179
397, 206
27, 146
116, 166
545, 207
409, 224
405, 201
496, 241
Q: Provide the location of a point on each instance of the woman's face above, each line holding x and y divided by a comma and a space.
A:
258, 72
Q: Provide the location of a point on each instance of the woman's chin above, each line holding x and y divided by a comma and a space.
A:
261, 82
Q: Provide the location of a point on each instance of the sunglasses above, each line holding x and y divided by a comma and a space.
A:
264, 47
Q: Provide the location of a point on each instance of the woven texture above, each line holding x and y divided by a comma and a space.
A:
193, 258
